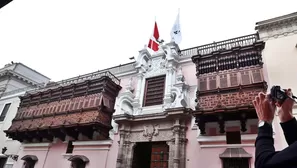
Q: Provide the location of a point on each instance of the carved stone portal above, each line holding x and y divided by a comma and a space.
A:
170, 127
150, 131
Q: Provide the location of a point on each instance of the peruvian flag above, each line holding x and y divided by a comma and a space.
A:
153, 43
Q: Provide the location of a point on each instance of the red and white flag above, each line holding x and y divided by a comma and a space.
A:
153, 43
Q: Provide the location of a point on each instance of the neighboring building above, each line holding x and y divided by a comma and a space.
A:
161, 119
280, 58
15, 80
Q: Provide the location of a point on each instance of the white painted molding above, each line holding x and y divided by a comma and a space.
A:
88, 149
152, 109
35, 149
67, 155
92, 143
281, 26
227, 146
218, 138
36, 145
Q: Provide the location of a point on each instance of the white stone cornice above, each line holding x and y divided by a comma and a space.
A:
28, 145
93, 143
285, 25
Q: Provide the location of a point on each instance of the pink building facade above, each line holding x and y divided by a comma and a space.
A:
173, 108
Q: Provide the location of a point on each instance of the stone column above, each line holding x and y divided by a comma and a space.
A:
183, 141
171, 153
120, 158
167, 96
129, 153
176, 129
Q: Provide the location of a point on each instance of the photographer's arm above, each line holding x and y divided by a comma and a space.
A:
267, 157
290, 130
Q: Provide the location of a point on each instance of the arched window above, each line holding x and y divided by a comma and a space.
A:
29, 161
78, 161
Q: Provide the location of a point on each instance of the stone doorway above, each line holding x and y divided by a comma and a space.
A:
150, 155
163, 135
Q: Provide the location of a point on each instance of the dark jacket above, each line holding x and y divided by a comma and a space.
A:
267, 157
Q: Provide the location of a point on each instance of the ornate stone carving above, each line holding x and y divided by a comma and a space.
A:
179, 75
277, 27
156, 66
129, 86
150, 131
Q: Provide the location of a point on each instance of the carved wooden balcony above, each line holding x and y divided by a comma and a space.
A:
229, 54
229, 75
80, 109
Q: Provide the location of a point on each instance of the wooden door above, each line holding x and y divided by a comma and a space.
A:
159, 156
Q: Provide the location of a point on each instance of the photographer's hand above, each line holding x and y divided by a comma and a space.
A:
285, 111
265, 108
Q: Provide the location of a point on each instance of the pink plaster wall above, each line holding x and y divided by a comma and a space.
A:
100, 156
125, 81
197, 157
189, 72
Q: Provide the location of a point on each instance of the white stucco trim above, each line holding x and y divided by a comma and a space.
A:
227, 146
88, 149
34, 149
67, 155
223, 138
13, 95
36, 144
91, 143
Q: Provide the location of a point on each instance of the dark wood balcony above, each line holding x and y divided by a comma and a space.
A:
229, 54
81, 110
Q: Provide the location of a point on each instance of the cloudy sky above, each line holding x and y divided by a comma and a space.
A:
66, 38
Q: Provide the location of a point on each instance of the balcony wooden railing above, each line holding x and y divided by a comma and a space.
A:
221, 45
81, 78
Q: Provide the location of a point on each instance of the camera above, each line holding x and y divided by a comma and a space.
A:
278, 94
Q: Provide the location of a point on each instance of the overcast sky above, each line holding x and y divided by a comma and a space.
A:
66, 38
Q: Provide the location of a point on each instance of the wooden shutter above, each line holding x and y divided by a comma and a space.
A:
203, 84
213, 82
245, 78
233, 79
154, 91
223, 81
257, 76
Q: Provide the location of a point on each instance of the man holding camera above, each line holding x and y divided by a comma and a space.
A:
266, 156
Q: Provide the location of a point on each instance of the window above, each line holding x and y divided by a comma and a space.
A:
154, 91
69, 147
4, 111
78, 161
233, 137
29, 161
236, 163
